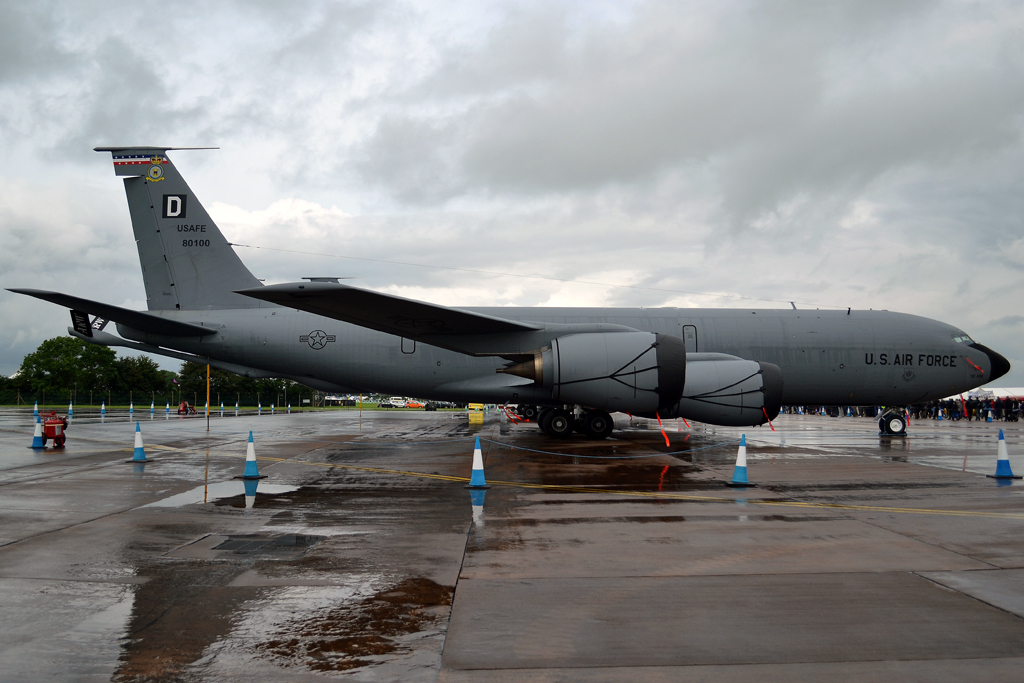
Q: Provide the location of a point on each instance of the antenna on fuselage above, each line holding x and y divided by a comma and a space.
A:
793, 305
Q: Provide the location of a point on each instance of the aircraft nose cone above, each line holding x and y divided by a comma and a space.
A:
1000, 366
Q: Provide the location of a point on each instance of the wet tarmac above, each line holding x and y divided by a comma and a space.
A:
363, 556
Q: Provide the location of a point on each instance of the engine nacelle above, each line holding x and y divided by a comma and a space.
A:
651, 374
729, 391
633, 372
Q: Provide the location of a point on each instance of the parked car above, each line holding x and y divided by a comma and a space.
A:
411, 403
397, 402
386, 404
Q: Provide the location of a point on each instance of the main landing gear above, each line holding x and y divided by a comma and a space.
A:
561, 423
893, 423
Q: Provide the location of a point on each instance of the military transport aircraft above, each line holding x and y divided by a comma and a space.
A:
575, 365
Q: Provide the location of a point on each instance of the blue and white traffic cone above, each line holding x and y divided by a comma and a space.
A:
849, 413
252, 470
131, 410
940, 417
739, 473
37, 437
222, 408
152, 409
168, 409
236, 408
103, 409
271, 408
289, 408
1003, 470
477, 481
140, 452
989, 418
71, 409
35, 409
259, 408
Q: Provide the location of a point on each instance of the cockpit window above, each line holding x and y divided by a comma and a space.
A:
961, 338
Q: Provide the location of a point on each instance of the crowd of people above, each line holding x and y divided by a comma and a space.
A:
1002, 409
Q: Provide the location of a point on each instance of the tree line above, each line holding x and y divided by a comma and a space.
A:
68, 369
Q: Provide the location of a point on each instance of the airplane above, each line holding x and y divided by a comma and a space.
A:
567, 368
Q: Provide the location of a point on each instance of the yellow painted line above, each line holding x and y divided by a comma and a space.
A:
663, 495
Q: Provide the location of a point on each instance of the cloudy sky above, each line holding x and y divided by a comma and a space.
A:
725, 153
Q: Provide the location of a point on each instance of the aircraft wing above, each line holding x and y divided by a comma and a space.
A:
384, 312
138, 320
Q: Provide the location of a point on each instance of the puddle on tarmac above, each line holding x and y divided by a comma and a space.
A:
353, 632
222, 489
631, 477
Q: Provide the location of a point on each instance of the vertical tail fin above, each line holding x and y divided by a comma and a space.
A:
186, 262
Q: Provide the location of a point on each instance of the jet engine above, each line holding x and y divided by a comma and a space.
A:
633, 372
645, 374
726, 390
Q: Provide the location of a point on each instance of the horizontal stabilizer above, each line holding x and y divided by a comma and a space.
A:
384, 312
138, 320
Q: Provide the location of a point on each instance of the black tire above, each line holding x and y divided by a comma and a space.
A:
893, 424
597, 424
559, 424
529, 412
542, 419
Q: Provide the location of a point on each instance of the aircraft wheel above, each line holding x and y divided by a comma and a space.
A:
893, 424
543, 415
529, 412
597, 424
559, 424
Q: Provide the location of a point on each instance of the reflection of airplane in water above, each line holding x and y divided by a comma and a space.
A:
720, 366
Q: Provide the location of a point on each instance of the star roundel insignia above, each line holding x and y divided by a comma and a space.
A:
317, 339
156, 172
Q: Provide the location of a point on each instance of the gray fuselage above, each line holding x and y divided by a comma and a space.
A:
826, 357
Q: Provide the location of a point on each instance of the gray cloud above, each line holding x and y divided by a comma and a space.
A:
855, 153
1008, 321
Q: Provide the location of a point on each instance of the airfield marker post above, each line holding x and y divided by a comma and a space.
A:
207, 397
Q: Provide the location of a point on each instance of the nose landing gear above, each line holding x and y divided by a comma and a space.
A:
893, 423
